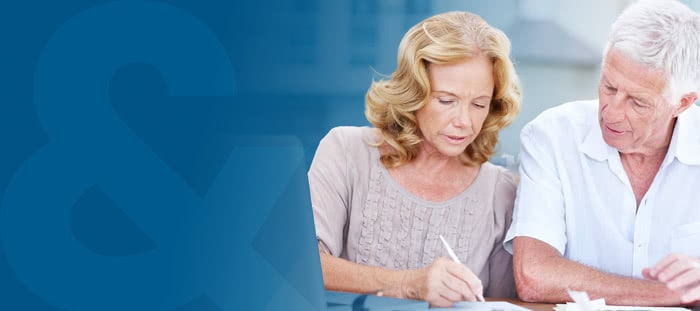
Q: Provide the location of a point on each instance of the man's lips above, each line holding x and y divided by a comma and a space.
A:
613, 131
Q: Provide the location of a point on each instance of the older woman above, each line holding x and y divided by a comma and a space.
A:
382, 196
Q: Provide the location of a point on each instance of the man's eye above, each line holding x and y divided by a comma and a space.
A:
638, 103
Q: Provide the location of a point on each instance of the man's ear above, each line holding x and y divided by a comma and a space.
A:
686, 101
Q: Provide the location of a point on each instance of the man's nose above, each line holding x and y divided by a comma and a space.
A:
615, 109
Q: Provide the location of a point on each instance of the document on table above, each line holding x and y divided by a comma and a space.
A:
583, 303
596, 304
484, 306
341, 301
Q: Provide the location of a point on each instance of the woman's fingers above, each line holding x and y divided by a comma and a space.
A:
475, 287
451, 281
443, 283
460, 288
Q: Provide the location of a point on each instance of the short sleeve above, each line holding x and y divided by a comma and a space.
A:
539, 205
330, 186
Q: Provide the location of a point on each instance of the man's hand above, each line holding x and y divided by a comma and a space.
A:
680, 273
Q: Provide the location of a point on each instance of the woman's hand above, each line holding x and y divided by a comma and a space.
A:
442, 283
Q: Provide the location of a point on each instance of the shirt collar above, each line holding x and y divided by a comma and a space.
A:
685, 141
593, 144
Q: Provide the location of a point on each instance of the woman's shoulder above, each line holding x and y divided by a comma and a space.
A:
352, 132
503, 185
498, 176
353, 138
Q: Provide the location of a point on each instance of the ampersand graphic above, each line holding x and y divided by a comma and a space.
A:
90, 146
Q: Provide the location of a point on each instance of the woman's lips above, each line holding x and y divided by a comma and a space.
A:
455, 139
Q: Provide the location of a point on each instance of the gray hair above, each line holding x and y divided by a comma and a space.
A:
663, 35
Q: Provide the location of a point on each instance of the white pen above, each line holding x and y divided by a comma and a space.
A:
454, 257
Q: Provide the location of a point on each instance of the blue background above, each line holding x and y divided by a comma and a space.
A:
152, 161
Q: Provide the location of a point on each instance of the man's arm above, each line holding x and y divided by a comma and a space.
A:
543, 275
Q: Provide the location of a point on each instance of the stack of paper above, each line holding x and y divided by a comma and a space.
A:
597, 304
583, 303
572, 306
484, 306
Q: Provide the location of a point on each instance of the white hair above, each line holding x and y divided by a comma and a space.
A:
663, 35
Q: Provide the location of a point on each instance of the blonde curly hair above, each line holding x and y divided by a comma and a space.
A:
391, 105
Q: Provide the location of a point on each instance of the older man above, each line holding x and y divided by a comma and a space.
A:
609, 197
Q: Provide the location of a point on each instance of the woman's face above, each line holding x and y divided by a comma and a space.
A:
457, 106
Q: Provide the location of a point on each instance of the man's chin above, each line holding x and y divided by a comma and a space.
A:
614, 143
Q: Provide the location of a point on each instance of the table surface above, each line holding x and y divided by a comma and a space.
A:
529, 305
335, 299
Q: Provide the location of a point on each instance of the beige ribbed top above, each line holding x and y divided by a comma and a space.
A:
361, 214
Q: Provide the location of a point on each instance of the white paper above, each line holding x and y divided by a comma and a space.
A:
571, 306
583, 303
485, 306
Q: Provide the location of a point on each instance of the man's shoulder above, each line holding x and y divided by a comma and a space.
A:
571, 118
575, 112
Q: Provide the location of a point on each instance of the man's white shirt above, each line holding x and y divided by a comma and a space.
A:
575, 195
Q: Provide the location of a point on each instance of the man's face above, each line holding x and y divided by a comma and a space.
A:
635, 115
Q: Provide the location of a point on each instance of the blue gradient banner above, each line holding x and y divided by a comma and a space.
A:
154, 156
154, 153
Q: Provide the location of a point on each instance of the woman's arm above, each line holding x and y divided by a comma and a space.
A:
441, 283
345, 276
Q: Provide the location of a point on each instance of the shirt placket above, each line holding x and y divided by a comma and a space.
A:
642, 222
642, 218
642, 226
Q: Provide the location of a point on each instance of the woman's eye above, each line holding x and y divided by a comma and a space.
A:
446, 101
479, 105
